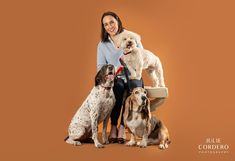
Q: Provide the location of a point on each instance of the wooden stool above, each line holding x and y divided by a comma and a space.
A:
157, 96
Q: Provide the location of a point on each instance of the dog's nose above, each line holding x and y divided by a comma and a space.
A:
143, 98
129, 42
110, 67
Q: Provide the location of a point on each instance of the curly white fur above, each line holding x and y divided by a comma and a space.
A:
138, 59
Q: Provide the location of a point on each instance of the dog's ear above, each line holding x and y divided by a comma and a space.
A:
137, 37
149, 116
131, 104
126, 109
100, 76
119, 39
148, 108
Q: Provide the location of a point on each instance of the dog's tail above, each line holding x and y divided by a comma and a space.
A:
66, 138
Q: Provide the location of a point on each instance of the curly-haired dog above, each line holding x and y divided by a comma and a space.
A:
138, 59
95, 109
138, 119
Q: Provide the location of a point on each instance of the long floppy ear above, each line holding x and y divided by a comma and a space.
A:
127, 109
148, 107
100, 76
149, 116
137, 37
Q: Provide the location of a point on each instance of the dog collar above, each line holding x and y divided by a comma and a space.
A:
127, 53
107, 88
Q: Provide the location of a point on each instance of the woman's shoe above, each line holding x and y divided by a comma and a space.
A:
121, 140
121, 135
113, 140
113, 134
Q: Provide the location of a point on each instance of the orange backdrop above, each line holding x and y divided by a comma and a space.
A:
48, 64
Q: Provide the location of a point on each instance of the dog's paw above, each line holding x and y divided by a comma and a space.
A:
159, 85
155, 85
166, 146
105, 141
132, 77
163, 146
131, 143
75, 143
142, 144
138, 77
98, 145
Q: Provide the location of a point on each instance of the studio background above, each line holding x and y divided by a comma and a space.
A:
48, 65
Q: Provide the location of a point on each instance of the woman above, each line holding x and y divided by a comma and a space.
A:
109, 53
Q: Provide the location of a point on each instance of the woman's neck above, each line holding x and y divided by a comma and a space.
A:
114, 39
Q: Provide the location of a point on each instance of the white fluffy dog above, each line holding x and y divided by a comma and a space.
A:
138, 59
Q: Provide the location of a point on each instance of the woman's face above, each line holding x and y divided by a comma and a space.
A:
110, 25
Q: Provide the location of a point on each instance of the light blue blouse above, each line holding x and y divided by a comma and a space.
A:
107, 53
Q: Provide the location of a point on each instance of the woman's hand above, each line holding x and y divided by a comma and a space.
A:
119, 69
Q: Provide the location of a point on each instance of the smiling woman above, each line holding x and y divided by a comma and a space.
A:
111, 25
109, 53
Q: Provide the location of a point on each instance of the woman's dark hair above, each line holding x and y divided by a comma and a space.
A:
104, 34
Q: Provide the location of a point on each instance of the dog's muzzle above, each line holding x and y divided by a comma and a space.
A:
144, 99
111, 73
110, 67
129, 44
109, 77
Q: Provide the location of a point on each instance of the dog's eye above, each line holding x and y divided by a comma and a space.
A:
124, 39
136, 92
145, 92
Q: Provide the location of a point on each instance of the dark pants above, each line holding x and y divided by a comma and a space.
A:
120, 87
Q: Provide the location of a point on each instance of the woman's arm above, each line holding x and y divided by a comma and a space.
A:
101, 60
